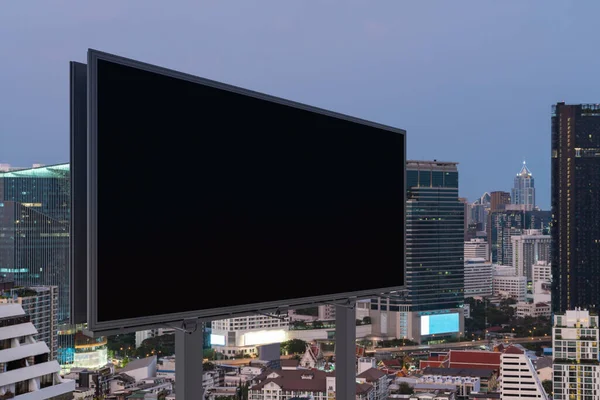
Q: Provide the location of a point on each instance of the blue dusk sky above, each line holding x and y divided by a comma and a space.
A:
470, 81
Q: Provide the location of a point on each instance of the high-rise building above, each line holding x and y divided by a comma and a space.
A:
498, 200
528, 248
434, 236
575, 339
523, 191
478, 211
35, 218
466, 215
575, 199
477, 248
434, 294
40, 303
35, 215
508, 223
26, 369
478, 277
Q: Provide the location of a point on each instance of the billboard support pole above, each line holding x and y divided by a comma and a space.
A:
345, 351
189, 356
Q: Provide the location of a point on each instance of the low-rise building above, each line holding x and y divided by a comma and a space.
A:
314, 384
510, 286
376, 378
525, 309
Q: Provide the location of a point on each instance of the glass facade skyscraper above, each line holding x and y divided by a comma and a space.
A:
34, 224
35, 215
575, 198
434, 236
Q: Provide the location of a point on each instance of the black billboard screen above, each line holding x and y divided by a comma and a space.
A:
207, 199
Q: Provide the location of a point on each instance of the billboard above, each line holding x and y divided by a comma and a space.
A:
440, 323
208, 201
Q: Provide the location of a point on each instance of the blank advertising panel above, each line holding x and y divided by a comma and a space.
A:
440, 323
208, 201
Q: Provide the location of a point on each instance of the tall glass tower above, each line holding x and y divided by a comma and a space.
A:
523, 191
575, 213
430, 308
35, 214
434, 236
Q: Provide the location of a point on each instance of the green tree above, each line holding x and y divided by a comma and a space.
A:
163, 345
122, 343
405, 388
208, 366
317, 325
293, 346
547, 384
312, 311
210, 354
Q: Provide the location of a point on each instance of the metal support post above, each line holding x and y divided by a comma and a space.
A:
345, 352
189, 356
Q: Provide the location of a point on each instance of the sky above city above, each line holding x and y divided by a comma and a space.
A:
471, 81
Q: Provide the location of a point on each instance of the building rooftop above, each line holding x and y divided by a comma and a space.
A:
138, 363
543, 362
48, 171
474, 359
465, 372
524, 172
289, 363
371, 375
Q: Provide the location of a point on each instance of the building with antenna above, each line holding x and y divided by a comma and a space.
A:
523, 191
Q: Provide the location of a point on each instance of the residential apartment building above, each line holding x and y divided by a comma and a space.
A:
575, 337
528, 248
40, 303
26, 370
542, 272
368, 373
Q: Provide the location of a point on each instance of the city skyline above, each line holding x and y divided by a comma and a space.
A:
486, 77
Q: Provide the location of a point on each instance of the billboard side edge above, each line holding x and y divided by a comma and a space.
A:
92, 189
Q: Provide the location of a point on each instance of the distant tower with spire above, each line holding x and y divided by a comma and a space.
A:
523, 192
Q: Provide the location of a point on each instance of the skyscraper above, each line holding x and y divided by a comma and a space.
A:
523, 191
35, 215
498, 200
434, 258
434, 236
575, 200
508, 223
575, 355
34, 220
